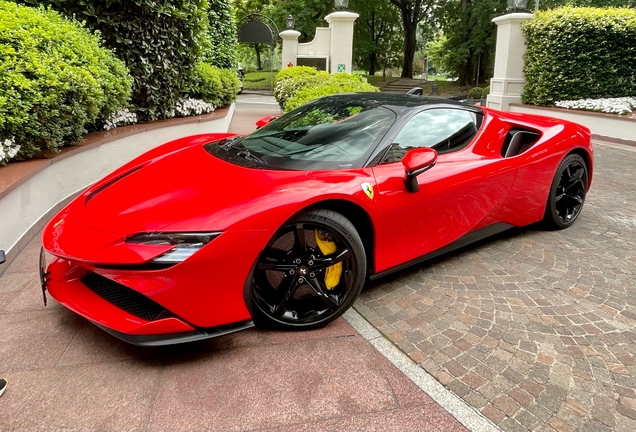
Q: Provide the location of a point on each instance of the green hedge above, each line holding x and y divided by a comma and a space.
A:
160, 42
475, 93
576, 53
222, 32
289, 80
332, 84
55, 79
213, 85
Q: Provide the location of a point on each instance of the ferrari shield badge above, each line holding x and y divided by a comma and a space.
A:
368, 189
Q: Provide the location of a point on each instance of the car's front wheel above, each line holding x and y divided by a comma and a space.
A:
567, 193
310, 272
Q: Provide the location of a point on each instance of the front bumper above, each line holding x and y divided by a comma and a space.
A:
199, 298
119, 310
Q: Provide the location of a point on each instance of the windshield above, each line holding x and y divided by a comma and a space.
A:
329, 133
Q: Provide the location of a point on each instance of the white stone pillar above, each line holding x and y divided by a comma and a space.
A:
341, 27
290, 47
508, 80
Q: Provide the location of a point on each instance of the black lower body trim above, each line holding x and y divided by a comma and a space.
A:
467, 239
177, 338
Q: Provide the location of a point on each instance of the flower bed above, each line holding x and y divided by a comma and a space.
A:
624, 105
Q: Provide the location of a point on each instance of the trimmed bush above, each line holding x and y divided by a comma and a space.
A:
485, 92
230, 86
577, 53
475, 93
55, 79
206, 84
289, 80
333, 84
160, 42
213, 85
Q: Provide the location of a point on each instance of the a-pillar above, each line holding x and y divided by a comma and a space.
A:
341, 26
508, 80
290, 47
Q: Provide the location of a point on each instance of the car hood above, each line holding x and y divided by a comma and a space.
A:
191, 190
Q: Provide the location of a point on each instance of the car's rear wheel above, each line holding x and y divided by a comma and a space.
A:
567, 194
310, 272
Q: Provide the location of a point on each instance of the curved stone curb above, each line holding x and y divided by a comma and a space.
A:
455, 406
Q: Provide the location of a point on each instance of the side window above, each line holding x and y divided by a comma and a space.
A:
444, 129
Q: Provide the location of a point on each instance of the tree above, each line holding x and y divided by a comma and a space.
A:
412, 13
466, 48
376, 30
222, 33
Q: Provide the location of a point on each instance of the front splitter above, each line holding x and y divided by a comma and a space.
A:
177, 338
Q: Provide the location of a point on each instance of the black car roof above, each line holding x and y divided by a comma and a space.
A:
399, 101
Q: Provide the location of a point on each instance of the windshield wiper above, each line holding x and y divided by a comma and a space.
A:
229, 142
250, 157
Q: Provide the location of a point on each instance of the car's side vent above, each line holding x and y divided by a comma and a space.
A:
518, 141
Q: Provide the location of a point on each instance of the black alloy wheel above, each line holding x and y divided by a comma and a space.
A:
310, 272
567, 194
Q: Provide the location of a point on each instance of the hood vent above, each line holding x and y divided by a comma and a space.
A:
111, 182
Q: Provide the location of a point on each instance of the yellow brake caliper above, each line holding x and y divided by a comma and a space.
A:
327, 247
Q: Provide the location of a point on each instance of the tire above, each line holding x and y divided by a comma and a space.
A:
296, 284
567, 193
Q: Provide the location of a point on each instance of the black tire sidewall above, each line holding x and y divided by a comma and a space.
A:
551, 217
344, 228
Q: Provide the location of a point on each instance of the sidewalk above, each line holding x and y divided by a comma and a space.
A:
64, 373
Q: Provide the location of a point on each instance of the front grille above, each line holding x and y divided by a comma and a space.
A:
125, 298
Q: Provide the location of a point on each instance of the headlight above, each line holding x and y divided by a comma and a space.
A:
185, 244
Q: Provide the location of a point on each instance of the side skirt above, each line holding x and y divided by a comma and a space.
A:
467, 239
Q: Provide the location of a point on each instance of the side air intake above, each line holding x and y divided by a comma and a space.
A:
518, 141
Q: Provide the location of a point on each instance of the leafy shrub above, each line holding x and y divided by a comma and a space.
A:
55, 79
206, 84
160, 42
289, 80
333, 84
222, 34
576, 53
485, 92
475, 93
213, 85
230, 86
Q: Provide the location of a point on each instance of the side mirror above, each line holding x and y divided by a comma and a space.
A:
265, 120
415, 163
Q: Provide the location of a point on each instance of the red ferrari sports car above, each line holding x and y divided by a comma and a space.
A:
207, 234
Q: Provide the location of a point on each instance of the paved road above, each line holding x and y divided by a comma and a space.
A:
535, 329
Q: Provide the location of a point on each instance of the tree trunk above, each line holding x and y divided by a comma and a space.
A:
466, 74
410, 44
259, 65
373, 63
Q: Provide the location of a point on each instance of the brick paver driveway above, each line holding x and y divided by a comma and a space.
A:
535, 329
